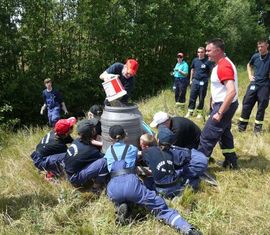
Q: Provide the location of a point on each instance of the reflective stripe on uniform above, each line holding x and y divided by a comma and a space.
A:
228, 150
174, 219
258, 122
243, 120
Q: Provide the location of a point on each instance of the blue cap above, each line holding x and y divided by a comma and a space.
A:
166, 136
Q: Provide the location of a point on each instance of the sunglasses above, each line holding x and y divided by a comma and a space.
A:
180, 57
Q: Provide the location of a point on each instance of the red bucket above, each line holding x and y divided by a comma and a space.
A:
113, 89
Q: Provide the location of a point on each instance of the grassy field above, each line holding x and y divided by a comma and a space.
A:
239, 205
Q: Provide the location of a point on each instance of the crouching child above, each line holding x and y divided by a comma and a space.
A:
84, 163
125, 188
52, 148
173, 167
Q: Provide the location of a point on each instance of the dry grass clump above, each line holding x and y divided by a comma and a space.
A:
239, 205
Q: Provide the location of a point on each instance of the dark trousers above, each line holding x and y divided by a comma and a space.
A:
214, 132
49, 163
180, 89
94, 171
197, 89
254, 94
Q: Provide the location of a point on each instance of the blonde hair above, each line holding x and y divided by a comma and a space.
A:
148, 140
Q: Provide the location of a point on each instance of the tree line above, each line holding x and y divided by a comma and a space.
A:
73, 41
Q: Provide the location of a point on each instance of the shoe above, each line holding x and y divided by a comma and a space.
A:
209, 178
242, 126
211, 160
257, 129
199, 116
50, 176
229, 163
193, 231
241, 129
189, 114
122, 214
96, 188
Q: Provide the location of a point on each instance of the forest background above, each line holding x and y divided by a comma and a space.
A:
74, 41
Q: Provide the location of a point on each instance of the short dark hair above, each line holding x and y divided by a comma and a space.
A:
262, 41
217, 42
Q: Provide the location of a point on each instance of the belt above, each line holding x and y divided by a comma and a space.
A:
123, 172
167, 185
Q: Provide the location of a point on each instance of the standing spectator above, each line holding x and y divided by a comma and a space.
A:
224, 91
125, 72
199, 76
187, 133
258, 90
180, 73
53, 102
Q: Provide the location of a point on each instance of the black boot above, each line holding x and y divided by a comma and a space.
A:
257, 129
193, 231
230, 161
242, 126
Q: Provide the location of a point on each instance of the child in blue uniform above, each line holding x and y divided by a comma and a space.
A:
53, 102
52, 148
84, 163
172, 167
125, 186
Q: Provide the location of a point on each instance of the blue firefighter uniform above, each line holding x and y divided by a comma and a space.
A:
174, 168
83, 163
50, 152
189, 164
125, 186
202, 69
53, 101
257, 91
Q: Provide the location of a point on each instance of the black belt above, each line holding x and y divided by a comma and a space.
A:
123, 172
167, 185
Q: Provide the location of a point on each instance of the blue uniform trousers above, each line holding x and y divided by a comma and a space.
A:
129, 189
96, 170
54, 115
180, 89
48, 163
167, 192
192, 171
197, 90
218, 131
254, 94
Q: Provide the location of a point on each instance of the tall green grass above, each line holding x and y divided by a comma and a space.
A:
239, 205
